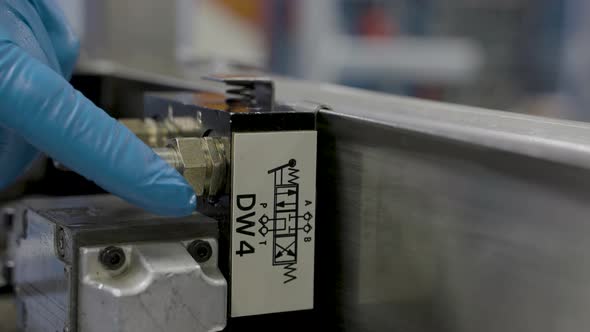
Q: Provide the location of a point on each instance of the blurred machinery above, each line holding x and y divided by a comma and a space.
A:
486, 53
498, 54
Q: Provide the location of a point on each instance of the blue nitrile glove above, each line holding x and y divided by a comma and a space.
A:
41, 111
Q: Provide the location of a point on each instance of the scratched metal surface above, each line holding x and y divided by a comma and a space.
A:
436, 217
40, 278
48, 295
7, 313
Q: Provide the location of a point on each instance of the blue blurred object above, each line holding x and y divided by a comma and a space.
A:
41, 111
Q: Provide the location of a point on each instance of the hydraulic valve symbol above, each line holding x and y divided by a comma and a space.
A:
285, 213
284, 223
307, 217
263, 230
285, 249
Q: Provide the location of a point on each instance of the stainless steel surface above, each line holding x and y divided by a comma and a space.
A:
204, 162
61, 285
40, 277
160, 288
440, 217
7, 313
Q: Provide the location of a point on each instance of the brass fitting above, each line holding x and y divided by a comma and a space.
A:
204, 162
156, 133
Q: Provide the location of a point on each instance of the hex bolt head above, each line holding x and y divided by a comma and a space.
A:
200, 250
112, 258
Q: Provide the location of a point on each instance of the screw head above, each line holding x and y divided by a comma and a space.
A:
200, 250
61, 242
112, 258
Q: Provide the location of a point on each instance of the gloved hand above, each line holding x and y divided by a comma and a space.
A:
41, 111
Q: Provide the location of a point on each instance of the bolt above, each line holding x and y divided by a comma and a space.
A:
112, 258
200, 250
61, 243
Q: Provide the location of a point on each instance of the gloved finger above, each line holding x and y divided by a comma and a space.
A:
21, 24
65, 42
55, 118
15, 156
20, 19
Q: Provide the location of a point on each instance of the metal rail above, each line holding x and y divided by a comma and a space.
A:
438, 217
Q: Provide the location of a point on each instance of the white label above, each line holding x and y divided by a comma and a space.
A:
273, 222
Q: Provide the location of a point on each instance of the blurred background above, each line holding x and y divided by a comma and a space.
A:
529, 56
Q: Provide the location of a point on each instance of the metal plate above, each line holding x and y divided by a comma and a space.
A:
273, 208
45, 275
160, 288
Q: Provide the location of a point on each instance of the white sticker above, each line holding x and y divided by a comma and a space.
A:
273, 222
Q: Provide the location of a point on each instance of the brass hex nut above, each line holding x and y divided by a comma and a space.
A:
215, 149
204, 163
194, 162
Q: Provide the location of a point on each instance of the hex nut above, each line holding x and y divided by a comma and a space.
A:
203, 163
194, 162
215, 151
